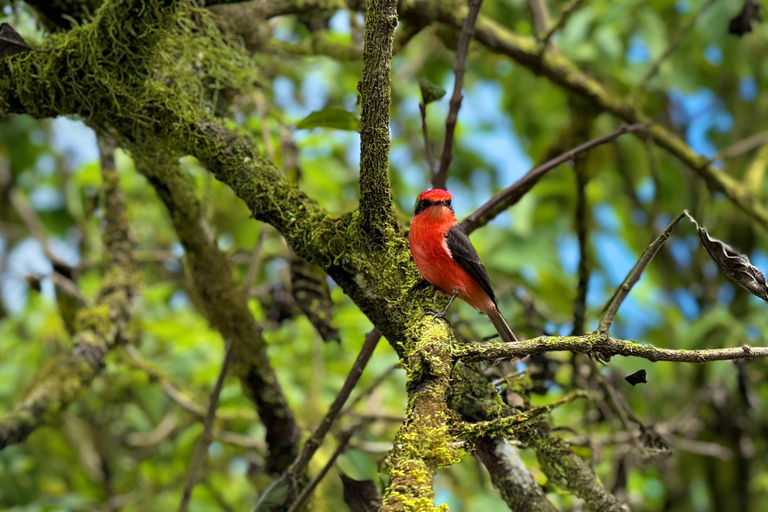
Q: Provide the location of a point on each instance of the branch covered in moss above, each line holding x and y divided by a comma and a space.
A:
568, 471
517, 487
567, 75
602, 346
425, 443
226, 307
508, 425
376, 210
100, 327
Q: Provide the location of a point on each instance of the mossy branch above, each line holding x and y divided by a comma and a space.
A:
568, 471
425, 443
101, 327
226, 307
376, 210
509, 425
564, 73
602, 346
519, 490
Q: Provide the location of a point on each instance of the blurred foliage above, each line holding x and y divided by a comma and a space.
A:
127, 445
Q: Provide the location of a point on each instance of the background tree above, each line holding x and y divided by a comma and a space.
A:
199, 261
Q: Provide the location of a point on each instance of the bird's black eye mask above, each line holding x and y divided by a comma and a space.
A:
426, 203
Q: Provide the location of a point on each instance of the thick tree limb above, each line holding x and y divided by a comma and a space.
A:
517, 487
101, 327
568, 471
226, 307
376, 209
603, 346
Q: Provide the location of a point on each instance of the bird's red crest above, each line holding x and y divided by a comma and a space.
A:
436, 194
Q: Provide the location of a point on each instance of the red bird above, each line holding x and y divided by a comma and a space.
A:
447, 259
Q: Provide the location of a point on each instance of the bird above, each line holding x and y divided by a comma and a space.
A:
446, 258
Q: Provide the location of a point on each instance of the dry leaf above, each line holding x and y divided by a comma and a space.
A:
639, 377
733, 264
361, 495
11, 42
742, 22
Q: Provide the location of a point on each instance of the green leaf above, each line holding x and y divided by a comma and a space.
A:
330, 118
430, 91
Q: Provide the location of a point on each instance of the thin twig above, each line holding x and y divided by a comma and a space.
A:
602, 346
427, 143
467, 31
207, 436
316, 439
746, 145
618, 405
679, 37
517, 190
307, 491
582, 229
539, 16
634, 275
568, 11
367, 391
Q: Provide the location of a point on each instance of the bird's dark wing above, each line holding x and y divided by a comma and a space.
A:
465, 255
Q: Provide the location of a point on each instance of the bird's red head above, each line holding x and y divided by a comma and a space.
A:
433, 197
436, 195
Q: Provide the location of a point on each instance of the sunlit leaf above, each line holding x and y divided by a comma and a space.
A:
430, 91
337, 118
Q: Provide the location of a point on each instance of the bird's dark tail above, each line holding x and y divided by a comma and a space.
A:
501, 326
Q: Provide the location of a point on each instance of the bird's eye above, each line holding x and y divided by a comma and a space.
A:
448, 203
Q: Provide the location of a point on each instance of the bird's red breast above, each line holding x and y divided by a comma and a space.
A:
433, 258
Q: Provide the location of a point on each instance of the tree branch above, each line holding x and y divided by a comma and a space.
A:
633, 276
603, 346
101, 326
206, 438
467, 33
316, 439
568, 11
517, 190
564, 73
376, 209
225, 305
518, 488
568, 471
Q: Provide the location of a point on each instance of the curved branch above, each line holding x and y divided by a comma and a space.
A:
226, 307
101, 327
517, 487
603, 346
512, 194
563, 72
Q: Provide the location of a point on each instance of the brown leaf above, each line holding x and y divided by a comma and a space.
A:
636, 378
733, 264
11, 42
742, 22
361, 495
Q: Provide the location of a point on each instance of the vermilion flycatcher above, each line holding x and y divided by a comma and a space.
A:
447, 259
